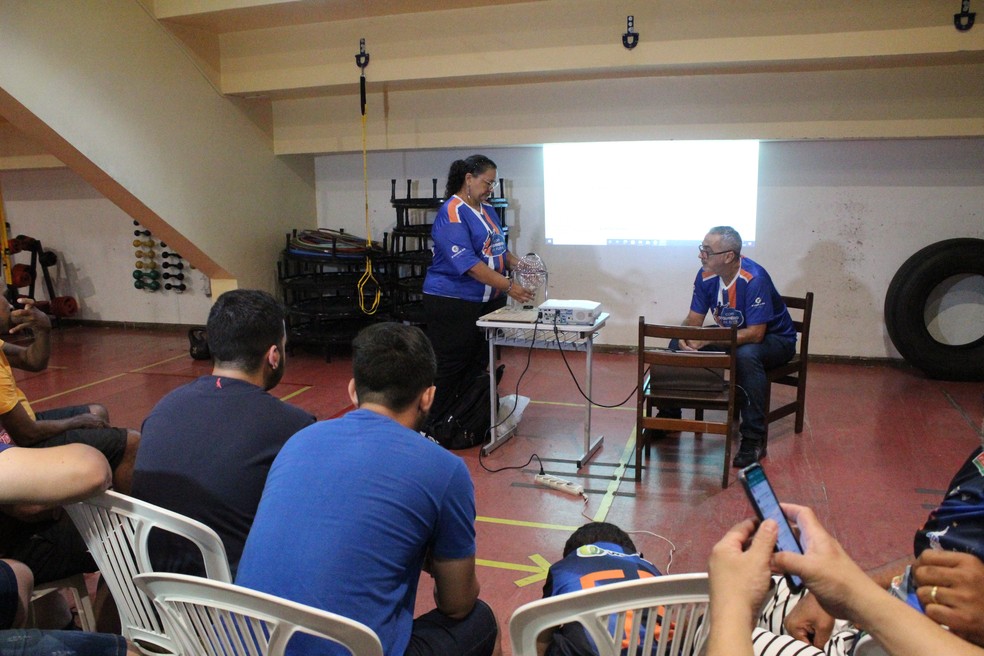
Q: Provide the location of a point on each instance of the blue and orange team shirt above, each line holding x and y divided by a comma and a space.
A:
750, 300
462, 238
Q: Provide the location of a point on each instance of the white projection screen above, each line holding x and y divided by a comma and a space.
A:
648, 193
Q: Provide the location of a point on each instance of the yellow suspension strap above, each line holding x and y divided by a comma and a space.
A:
362, 60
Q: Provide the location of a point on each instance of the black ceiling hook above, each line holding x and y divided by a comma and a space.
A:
965, 19
631, 38
362, 59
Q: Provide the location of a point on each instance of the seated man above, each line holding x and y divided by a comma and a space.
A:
739, 292
947, 568
83, 424
740, 580
596, 554
33, 481
355, 507
206, 447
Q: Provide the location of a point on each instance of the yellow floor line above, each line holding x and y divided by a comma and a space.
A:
133, 371
606, 502
578, 405
76, 389
295, 393
519, 522
104, 380
569, 405
538, 570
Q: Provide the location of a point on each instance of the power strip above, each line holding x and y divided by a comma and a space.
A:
561, 484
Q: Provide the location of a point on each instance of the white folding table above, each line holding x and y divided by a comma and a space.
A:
539, 335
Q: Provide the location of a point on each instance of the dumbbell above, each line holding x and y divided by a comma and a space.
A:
152, 285
26, 243
146, 265
48, 259
173, 265
64, 306
141, 233
148, 253
176, 276
180, 287
149, 275
21, 275
169, 254
143, 242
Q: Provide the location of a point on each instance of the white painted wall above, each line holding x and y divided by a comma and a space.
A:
127, 109
93, 239
835, 217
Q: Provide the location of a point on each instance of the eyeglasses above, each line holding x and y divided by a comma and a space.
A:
492, 184
707, 252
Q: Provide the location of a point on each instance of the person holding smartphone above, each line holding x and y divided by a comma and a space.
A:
740, 580
945, 579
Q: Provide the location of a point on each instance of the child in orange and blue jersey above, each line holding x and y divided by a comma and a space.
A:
596, 554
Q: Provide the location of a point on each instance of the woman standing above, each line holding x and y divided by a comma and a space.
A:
467, 277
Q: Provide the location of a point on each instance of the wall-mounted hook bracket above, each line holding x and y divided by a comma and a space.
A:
631, 38
965, 19
362, 59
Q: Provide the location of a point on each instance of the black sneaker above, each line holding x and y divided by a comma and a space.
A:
749, 451
670, 413
653, 434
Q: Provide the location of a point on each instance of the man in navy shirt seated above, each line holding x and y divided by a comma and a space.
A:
208, 445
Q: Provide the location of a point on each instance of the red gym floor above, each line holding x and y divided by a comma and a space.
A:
879, 446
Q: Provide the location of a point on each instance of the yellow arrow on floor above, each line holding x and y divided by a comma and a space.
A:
538, 569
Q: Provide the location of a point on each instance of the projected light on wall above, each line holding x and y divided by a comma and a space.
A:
648, 193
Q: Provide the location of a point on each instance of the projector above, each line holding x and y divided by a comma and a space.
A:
563, 313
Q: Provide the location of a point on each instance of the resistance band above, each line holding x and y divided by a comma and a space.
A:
362, 60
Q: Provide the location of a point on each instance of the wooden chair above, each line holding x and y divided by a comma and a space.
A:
793, 373
628, 617
211, 618
695, 380
115, 528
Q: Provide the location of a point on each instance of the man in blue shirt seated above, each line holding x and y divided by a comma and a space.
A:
739, 292
355, 508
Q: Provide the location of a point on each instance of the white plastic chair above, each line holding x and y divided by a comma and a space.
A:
80, 595
679, 600
115, 528
868, 646
209, 618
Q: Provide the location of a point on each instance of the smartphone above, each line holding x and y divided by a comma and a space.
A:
766, 505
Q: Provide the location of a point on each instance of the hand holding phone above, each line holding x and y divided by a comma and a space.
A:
766, 505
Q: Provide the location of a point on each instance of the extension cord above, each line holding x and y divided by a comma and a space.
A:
556, 483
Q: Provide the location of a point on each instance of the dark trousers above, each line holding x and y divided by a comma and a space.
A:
753, 385
436, 634
459, 345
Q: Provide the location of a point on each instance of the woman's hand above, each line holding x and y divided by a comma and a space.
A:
520, 293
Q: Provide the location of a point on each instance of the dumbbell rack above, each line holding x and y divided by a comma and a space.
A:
147, 274
26, 275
